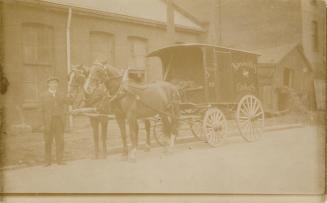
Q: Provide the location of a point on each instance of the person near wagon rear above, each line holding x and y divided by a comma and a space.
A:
53, 103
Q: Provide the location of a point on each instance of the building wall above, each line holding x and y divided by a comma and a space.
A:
16, 14
250, 24
155, 38
301, 79
314, 11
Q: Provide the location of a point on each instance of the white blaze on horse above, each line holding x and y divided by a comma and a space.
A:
81, 99
133, 103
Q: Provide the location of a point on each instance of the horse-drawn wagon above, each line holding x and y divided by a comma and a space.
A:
217, 85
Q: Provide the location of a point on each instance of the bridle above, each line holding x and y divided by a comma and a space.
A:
77, 84
109, 79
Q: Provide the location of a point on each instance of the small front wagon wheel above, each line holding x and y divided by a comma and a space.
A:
214, 127
250, 118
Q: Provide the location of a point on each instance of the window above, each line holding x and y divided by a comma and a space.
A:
37, 44
38, 59
315, 39
137, 53
102, 47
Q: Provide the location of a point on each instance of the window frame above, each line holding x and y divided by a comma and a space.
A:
39, 28
36, 66
113, 45
133, 55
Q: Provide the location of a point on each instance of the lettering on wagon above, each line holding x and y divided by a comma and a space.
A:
237, 65
245, 76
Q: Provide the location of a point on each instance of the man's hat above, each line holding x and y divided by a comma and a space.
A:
52, 79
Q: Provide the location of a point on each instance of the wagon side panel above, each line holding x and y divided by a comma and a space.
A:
245, 75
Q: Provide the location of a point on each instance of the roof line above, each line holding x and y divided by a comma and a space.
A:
187, 14
289, 51
118, 17
199, 45
300, 49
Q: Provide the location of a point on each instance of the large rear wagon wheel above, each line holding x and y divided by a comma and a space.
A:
214, 126
250, 118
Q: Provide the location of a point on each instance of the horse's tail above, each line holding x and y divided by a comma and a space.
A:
175, 110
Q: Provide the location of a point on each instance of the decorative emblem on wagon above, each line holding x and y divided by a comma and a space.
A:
245, 76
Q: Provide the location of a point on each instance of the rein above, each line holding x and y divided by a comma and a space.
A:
119, 94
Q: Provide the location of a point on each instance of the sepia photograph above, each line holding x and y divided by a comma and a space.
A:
163, 97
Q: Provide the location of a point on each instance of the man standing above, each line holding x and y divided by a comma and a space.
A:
53, 109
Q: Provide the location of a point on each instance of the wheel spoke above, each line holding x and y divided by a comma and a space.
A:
256, 108
220, 116
257, 115
250, 105
246, 107
243, 111
244, 125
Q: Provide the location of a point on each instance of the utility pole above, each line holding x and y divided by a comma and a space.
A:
214, 30
219, 27
170, 21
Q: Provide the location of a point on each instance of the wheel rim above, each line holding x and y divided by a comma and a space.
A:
214, 127
250, 118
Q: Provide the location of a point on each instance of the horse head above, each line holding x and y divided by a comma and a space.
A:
76, 80
102, 75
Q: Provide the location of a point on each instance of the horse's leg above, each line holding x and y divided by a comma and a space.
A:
136, 126
166, 130
104, 126
122, 127
173, 130
132, 122
147, 127
95, 128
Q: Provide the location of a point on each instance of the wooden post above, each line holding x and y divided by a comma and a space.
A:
70, 118
215, 26
206, 76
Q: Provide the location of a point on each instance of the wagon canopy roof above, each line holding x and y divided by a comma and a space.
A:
169, 49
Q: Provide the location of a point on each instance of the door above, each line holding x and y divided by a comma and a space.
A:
210, 74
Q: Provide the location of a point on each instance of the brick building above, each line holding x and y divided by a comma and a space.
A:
37, 45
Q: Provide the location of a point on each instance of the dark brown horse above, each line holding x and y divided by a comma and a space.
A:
133, 103
77, 78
